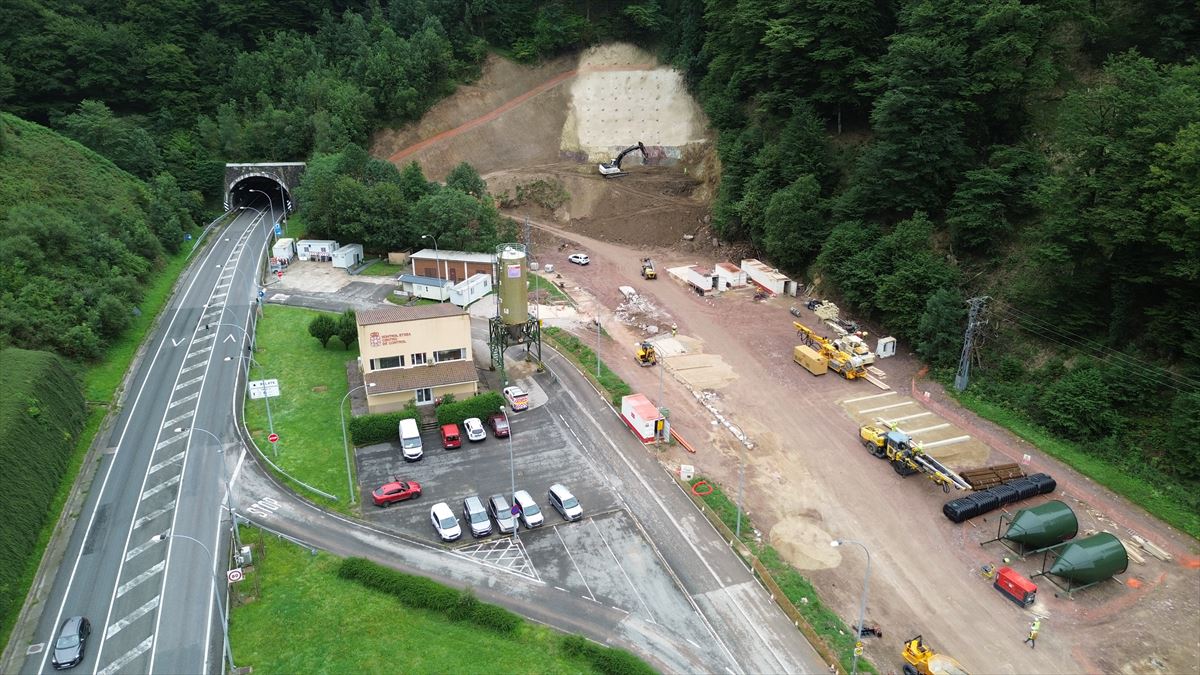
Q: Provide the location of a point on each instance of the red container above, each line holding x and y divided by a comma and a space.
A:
1016, 587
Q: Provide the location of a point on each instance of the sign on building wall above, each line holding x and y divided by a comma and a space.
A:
384, 339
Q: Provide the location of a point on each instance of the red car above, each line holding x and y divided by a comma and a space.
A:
499, 425
396, 492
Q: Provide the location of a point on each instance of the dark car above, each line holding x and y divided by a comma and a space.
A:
499, 425
398, 491
68, 646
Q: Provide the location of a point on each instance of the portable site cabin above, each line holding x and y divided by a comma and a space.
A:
729, 276
348, 256
642, 417
319, 250
284, 249
769, 278
700, 278
465, 292
428, 288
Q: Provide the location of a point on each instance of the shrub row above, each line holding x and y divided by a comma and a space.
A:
586, 358
421, 593
371, 429
605, 659
481, 406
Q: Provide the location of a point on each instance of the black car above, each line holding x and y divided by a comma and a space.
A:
68, 646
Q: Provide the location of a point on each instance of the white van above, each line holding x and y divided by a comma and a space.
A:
410, 440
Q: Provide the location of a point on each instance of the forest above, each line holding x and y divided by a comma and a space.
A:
905, 155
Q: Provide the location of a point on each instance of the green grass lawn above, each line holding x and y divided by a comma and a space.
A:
383, 269
553, 291
308, 620
312, 382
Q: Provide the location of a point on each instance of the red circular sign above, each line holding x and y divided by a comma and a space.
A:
279, 274
274, 438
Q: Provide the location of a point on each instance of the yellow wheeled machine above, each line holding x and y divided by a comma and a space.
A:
646, 356
648, 271
921, 660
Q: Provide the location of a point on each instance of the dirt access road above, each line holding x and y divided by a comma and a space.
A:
807, 479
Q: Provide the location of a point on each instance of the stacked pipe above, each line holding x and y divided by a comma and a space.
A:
983, 501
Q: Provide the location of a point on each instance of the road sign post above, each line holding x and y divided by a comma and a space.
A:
235, 575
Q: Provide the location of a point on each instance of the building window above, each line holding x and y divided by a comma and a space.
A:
418, 359
424, 396
448, 355
387, 362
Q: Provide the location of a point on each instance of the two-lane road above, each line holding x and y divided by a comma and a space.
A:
142, 560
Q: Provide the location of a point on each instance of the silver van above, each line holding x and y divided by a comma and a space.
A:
476, 517
410, 440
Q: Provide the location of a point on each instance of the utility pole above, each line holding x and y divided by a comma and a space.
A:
964, 362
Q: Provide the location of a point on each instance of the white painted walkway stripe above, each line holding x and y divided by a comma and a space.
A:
946, 441
198, 364
185, 399
133, 616
159, 488
868, 398
127, 657
142, 548
205, 338
166, 462
133, 583
174, 439
189, 383
172, 422
198, 352
886, 407
908, 417
151, 516
924, 429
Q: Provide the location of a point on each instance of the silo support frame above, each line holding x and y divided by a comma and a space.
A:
500, 339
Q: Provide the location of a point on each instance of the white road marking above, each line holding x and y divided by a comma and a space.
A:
886, 407
922, 430
142, 547
127, 657
167, 462
132, 616
203, 338
189, 383
229, 338
176, 343
176, 420
134, 582
151, 516
868, 398
562, 589
183, 400
174, 439
622, 568
159, 488
946, 441
908, 417
576, 565
198, 352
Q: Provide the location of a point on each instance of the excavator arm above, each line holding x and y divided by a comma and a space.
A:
613, 168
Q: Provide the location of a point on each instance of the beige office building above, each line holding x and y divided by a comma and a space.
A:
415, 353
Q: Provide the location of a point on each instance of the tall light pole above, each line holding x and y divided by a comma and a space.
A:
228, 488
437, 265
597, 320
224, 614
511, 463
269, 201
862, 607
345, 443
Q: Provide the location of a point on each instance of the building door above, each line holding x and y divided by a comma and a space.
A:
454, 274
424, 396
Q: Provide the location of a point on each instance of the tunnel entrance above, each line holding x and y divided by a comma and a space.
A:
268, 186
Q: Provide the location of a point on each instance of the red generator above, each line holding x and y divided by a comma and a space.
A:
1015, 587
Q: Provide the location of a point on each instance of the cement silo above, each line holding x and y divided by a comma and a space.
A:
512, 267
1085, 562
1042, 526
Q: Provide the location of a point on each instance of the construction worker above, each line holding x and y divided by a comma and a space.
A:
1033, 633
674, 330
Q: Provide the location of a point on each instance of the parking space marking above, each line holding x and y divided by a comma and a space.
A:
622, 568
867, 398
907, 417
576, 565
886, 407
922, 430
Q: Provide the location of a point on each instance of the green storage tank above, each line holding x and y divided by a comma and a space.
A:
1043, 525
1091, 559
512, 265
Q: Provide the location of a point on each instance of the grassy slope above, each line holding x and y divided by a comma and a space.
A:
312, 381
308, 620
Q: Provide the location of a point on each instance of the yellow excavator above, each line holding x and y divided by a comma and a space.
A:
848, 366
921, 660
648, 271
645, 355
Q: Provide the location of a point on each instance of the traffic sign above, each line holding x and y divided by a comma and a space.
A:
262, 292
274, 438
515, 510
858, 649
234, 575
278, 230
279, 274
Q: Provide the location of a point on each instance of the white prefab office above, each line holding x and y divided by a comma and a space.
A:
642, 417
700, 278
729, 276
769, 278
428, 288
465, 292
348, 256
284, 249
320, 250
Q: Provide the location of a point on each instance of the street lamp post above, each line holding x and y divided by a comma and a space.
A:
597, 347
228, 487
270, 201
437, 265
346, 443
862, 607
216, 596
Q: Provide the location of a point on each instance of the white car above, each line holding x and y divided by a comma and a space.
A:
579, 258
444, 522
516, 397
564, 502
531, 515
475, 430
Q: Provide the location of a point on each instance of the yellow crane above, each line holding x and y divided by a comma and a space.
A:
847, 365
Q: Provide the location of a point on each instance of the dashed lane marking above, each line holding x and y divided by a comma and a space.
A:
134, 582
133, 553
167, 462
160, 487
132, 616
184, 416
174, 439
151, 516
189, 383
185, 399
127, 657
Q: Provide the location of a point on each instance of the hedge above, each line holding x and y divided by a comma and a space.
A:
482, 406
605, 659
372, 429
421, 593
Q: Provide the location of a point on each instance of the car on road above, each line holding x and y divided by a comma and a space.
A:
516, 397
474, 428
531, 515
564, 502
499, 425
396, 491
499, 509
68, 645
444, 522
451, 440
579, 258
476, 517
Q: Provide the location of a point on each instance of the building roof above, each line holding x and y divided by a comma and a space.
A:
729, 267
455, 256
762, 268
418, 377
702, 271
369, 317
642, 407
427, 281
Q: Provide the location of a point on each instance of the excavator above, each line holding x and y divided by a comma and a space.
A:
847, 365
648, 271
645, 355
613, 169
907, 457
922, 660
